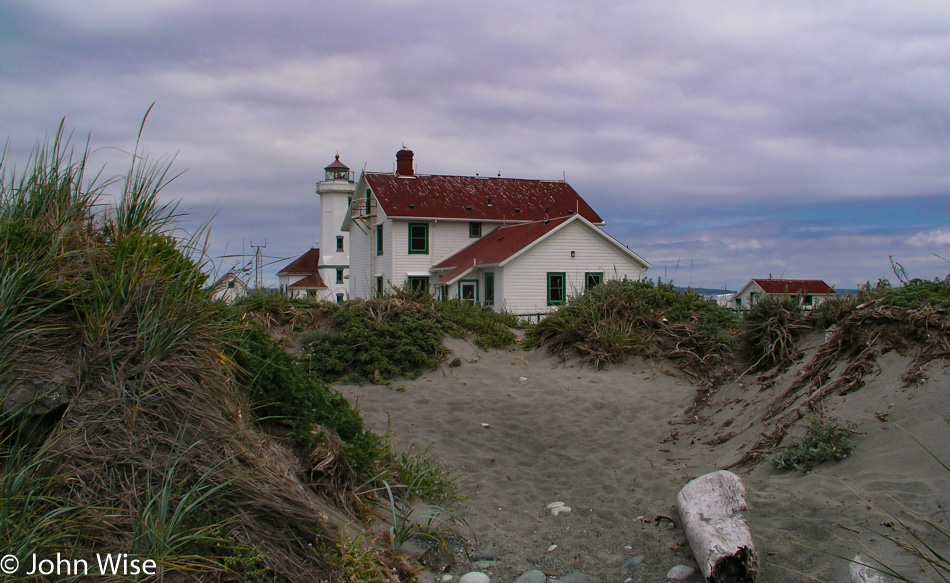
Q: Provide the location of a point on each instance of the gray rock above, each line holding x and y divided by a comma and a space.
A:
575, 577
474, 577
680, 572
34, 407
634, 562
533, 576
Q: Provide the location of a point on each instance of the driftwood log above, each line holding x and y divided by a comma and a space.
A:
710, 507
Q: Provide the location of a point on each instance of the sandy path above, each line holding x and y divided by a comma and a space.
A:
608, 445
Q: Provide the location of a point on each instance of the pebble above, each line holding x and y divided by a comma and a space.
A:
484, 557
551, 548
445, 578
474, 577
634, 562
575, 577
558, 508
680, 572
533, 576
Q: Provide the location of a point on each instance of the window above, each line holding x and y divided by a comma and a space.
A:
311, 294
379, 239
418, 238
557, 288
339, 243
339, 298
369, 200
592, 278
379, 286
490, 288
419, 285
475, 230
468, 290
339, 276
809, 300
442, 297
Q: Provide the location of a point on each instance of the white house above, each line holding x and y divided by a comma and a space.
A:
301, 278
228, 288
519, 245
811, 291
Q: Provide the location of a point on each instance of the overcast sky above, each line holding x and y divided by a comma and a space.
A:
721, 140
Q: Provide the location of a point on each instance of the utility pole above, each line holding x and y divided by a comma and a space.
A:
258, 264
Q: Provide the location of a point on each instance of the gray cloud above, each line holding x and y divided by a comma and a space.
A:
735, 113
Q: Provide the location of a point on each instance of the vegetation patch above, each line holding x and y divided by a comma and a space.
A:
399, 335
618, 319
826, 440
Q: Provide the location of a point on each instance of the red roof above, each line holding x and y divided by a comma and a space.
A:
337, 165
303, 265
794, 286
311, 281
496, 246
476, 198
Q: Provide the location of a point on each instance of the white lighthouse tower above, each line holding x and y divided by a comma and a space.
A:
335, 191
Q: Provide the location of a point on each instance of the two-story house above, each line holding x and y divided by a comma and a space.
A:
520, 245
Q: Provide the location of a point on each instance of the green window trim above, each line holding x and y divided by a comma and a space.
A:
379, 239
557, 288
592, 278
379, 286
489, 288
474, 230
418, 241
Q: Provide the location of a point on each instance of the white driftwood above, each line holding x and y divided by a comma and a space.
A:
710, 507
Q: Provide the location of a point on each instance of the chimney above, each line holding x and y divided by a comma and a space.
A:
404, 162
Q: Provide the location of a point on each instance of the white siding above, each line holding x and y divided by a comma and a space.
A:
524, 286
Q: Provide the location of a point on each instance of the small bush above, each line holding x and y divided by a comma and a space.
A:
826, 440
771, 330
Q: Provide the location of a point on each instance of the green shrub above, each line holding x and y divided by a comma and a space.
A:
621, 318
281, 388
825, 440
491, 329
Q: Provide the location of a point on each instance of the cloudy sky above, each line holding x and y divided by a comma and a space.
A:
722, 140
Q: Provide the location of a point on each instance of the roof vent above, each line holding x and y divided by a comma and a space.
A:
468, 208
570, 212
517, 210
412, 206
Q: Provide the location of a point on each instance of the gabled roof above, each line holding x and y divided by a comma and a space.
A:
475, 198
312, 281
505, 243
794, 286
222, 281
303, 265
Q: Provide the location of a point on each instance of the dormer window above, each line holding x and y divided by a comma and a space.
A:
474, 230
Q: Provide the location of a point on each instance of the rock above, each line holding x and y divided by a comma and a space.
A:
533, 576
445, 578
575, 577
551, 548
474, 577
608, 558
680, 572
34, 406
634, 562
484, 557
438, 557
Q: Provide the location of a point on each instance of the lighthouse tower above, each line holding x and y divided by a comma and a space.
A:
335, 191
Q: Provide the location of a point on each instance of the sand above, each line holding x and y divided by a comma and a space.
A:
526, 430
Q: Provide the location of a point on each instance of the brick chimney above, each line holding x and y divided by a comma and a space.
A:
404, 162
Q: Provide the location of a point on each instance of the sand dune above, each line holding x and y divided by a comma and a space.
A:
616, 447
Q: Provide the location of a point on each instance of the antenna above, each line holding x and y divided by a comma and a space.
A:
258, 264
